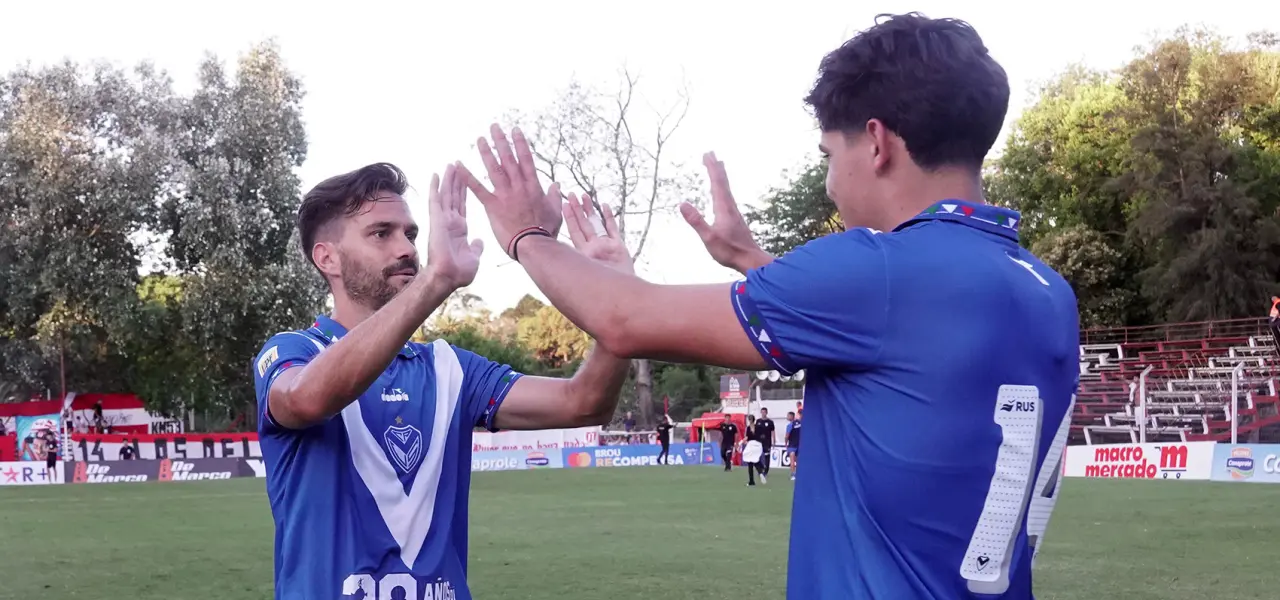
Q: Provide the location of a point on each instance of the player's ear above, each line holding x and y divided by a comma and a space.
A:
877, 143
325, 255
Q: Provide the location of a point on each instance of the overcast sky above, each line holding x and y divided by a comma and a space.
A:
414, 83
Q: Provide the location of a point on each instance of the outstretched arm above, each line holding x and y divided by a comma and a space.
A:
328, 381
626, 315
824, 304
634, 318
591, 395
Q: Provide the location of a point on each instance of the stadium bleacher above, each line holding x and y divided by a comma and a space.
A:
1187, 391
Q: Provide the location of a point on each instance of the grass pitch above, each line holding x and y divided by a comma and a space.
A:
639, 533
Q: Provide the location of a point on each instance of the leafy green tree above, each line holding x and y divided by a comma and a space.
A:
83, 154
796, 213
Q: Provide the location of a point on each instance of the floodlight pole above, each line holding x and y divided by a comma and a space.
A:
1142, 404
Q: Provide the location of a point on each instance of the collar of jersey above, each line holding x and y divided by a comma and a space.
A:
332, 331
993, 219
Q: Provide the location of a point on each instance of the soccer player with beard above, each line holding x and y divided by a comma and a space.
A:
934, 439
366, 435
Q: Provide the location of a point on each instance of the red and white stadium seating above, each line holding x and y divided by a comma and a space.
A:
1189, 388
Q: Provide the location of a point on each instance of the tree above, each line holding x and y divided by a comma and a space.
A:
231, 225
555, 341
796, 213
1213, 249
602, 143
103, 171
83, 154
1154, 188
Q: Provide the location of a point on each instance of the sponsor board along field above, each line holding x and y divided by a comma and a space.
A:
622, 534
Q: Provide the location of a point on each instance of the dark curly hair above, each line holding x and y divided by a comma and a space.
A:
930, 81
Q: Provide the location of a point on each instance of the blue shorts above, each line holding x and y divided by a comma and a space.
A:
792, 450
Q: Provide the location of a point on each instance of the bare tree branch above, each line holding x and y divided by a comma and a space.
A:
607, 145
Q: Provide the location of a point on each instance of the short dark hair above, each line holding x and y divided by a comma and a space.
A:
343, 195
930, 81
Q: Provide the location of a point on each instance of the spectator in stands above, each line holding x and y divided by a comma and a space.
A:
98, 420
1274, 322
1133, 392
126, 450
664, 438
2, 429
628, 422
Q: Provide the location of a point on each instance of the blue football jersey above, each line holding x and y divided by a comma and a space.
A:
942, 365
372, 503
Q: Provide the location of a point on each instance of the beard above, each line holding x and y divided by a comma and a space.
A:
368, 285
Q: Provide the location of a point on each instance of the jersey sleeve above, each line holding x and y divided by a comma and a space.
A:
281, 353
485, 385
825, 304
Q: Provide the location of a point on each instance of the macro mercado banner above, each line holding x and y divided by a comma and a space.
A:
1166, 460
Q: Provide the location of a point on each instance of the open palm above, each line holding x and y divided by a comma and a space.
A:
595, 235
450, 256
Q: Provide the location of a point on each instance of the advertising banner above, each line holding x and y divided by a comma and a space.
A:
1253, 463
199, 469
735, 393
640, 455
98, 448
27, 473
545, 440
31, 432
516, 460
1171, 460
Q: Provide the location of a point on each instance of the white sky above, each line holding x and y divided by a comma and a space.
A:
415, 83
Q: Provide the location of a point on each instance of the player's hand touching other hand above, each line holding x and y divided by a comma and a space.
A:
728, 239
517, 205
451, 259
598, 242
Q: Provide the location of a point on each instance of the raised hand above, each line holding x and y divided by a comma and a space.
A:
450, 257
728, 239
598, 242
517, 201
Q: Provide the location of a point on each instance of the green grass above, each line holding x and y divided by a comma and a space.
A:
621, 534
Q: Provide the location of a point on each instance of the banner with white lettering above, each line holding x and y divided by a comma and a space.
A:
549, 439
27, 473
199, 469
97, 448
515, 460
640, 455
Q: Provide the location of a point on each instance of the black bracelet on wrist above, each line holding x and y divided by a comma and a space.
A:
520, 235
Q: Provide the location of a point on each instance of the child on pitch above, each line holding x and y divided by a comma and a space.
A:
753, 451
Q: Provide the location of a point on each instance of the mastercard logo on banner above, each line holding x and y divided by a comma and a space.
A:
580, 459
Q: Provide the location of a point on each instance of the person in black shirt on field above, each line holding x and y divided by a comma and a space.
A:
664, 438
728, 437
752, 451
51, 454
765, 424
